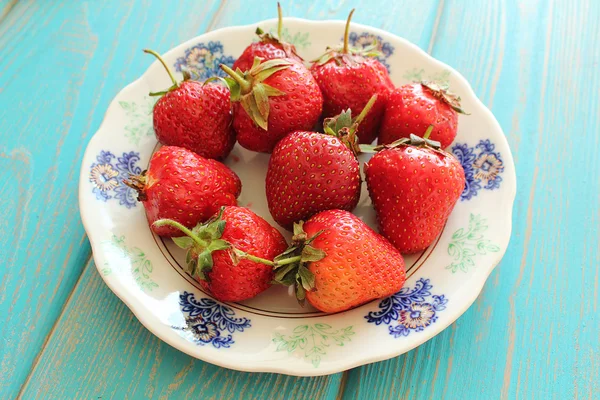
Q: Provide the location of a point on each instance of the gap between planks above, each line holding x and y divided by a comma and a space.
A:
342, 386
436, 23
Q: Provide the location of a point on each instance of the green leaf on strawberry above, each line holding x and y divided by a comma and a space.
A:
291, 265
249, 89
183, 242
344, 127
441, 92
201, 241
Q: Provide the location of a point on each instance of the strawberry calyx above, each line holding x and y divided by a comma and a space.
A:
176, 84
354, 55
347, 54
344, 127
288, 48
291, 266
201, 241
138, 183
441, 92
413, 140
250, 90
265, 37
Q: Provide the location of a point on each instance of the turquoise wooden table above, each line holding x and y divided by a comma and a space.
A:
532, 333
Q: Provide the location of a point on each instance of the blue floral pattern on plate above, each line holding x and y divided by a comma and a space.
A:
209, 321
483, 166
409, 309
365, 39
203, 60
107, 175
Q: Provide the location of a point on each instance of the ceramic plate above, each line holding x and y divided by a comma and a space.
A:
272, 333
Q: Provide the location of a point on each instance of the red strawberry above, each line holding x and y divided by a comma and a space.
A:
412, 108
311, 172
185, 187
194, 115
269, 47
348, 78
232, 254
414, 187
338, 262
272, 99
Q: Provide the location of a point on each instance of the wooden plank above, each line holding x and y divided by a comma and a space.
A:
96, 334
533, 333
100, 350
5, 7
60, 65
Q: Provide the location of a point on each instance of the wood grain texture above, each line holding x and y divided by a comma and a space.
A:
533, 332
60, 65
5, 7
100, 350
113, 322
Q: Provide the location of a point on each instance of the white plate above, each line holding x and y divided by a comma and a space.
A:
271, 333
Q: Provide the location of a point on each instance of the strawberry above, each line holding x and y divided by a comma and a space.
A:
272, 99
412, 108
185, 187
194, 115
414, 187
311, 172
268, 47
348, 78
230, 255
337, 262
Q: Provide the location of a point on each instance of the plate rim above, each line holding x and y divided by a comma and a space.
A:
149, 321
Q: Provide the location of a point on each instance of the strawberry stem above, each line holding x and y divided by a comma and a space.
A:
177, 225
256, 259
347, 32
245, 86
137, 183
290, 260
365, 110
155, 54
428, 132
154, 94
214, 243
243, 254
280, 21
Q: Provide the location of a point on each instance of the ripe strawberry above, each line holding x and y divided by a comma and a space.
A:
272, 99
269, 47
412, 108
311, 172
338, 262
231, 255
185, 187
414, 187
194, 115
348, 78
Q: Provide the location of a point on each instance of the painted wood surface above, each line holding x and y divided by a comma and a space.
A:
114, 356
533, 333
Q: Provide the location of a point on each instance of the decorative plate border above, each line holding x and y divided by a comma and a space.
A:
483, 167
209, 322
107, 175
